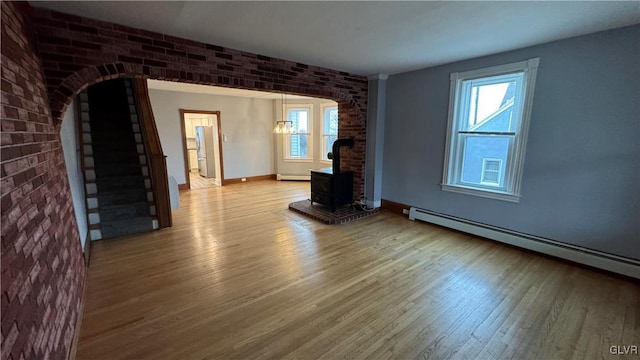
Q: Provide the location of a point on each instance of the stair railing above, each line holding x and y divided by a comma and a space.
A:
157, 159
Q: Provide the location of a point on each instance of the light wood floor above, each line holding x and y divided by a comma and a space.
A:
239, 276
198, 182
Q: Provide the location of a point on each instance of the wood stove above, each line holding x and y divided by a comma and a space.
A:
330, 186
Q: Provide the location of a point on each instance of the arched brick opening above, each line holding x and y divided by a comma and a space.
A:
351, 122
61, 96
77, 52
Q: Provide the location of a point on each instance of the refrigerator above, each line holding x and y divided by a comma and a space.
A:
204, 148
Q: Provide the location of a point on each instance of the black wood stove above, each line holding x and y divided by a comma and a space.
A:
330, 186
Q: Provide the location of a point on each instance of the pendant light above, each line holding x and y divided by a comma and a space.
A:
283, 126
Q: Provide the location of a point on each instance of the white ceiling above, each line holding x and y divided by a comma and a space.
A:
365, 37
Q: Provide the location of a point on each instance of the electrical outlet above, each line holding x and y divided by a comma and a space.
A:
405, 211
245, 179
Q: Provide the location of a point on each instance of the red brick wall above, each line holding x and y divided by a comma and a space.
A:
77, 52
42, 266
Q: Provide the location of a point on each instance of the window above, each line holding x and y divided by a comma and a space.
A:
329, 129
489, 113
298, 145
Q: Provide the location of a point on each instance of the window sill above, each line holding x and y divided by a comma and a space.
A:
297, 160
324, 161
481, 193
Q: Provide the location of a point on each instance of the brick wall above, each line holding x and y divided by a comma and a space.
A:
77, 52
42, 266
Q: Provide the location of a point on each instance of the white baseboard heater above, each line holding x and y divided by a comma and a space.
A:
281, 177
597, 259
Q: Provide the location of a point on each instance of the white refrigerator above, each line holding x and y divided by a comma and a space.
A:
204, 146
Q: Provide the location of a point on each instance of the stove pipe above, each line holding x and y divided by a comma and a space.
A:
335, 153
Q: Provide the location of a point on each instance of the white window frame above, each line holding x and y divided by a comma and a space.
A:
286, 138
323, 151
454, 154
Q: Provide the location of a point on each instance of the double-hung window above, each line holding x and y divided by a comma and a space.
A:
489, 112
329, 129
298, 144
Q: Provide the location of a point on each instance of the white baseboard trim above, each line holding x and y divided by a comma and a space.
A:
597, 259
281, 177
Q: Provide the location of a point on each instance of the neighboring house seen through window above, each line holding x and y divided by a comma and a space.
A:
491, 172
329, 129
488, 121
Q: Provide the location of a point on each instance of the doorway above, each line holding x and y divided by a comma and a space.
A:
202, 146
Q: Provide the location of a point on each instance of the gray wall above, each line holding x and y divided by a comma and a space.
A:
246, 122
71, 151
581, 176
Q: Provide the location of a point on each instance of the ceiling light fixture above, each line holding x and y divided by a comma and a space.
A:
283, 126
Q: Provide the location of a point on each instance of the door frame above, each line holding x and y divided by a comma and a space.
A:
185, 152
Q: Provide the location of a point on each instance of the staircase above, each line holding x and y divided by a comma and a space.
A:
119, 196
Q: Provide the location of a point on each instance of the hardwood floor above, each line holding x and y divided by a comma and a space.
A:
198, 182
240, 276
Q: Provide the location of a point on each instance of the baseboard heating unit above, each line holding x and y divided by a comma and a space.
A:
281, 177
597, 259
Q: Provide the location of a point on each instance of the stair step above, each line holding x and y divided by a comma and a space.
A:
111, 213
101, 118
114, 157
113, 136
116, 147
120, 126
107, 118
115, 143
120, 182
121, 197
125, 227
120, 169
111, 114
